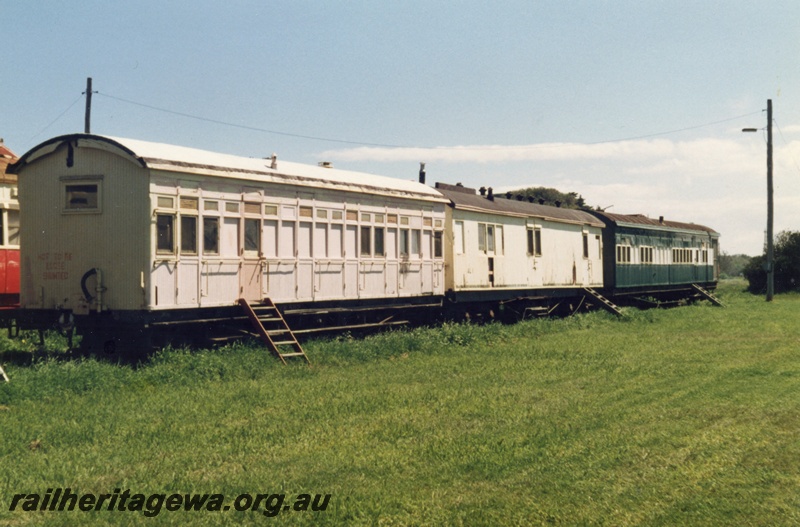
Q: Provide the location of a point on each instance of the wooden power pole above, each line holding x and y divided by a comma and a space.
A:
770, 212
88, 119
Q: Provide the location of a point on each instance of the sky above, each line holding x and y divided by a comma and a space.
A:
636, 105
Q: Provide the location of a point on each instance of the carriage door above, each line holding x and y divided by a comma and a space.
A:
252, 258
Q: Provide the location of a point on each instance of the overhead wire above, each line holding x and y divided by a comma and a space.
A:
387, 145
57, 118
780, 132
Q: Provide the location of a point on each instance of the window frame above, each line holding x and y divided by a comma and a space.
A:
171, 216
207, 220
75, 181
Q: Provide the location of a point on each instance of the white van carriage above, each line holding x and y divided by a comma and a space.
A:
120, 233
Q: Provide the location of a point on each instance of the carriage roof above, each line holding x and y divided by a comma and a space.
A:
171, 158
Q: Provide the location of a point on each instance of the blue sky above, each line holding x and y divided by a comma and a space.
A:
635, 105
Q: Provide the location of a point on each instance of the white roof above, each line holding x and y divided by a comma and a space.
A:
159, 156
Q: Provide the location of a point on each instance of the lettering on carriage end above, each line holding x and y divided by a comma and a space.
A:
67, 500
55, 265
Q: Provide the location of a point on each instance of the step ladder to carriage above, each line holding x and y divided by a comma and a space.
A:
273, 330
605, 303
707, 295
3, 375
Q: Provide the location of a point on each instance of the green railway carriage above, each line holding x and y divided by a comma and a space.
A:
657, 257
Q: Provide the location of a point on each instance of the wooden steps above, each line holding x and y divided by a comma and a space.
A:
707, 295
272, 329
605, 303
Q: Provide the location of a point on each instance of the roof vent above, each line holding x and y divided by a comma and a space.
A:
541, 201
530, 199
274, 164
558, 203
325, 164
482, 190
520, 197
661, 220
508, 195
422, 173
490, 196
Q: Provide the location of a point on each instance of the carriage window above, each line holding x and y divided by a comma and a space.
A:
623, 254
13, 227
366, 248
165, 234
379, 236
188, 234
416, 235
83, 197
530, 242
437, 244
210, 235
404, 243
585, 245
646, 255
490, 238
537, 234
252, 235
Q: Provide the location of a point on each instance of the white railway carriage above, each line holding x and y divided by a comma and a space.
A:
147, 233
506, 249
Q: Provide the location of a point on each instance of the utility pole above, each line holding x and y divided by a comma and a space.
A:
770, 266
88, 119
770, 213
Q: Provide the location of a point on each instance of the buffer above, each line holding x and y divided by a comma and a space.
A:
273, 330
707, 295
605, 303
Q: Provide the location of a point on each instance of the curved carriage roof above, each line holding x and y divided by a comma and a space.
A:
466, 199
164, 157
640, 220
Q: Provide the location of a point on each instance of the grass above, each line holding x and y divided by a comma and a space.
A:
686, 416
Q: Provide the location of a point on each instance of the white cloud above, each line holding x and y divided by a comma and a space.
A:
711, 181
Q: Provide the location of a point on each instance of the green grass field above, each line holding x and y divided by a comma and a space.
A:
687, 416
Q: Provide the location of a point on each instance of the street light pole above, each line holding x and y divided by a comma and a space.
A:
770, 206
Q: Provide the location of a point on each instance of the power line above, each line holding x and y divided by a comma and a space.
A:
245, 127
787, 144
386, 145
57, 118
